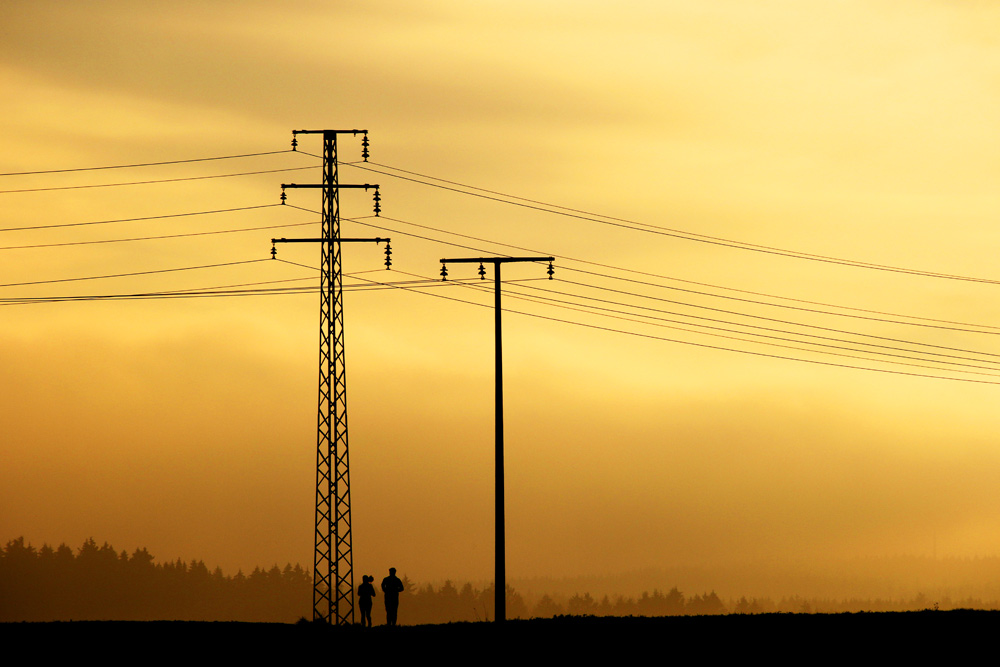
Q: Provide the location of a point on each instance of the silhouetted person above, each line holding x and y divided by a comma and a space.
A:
391, 588
365, 594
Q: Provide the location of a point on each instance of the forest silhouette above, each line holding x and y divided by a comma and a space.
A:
100, 583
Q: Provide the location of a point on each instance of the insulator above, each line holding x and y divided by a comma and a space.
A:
388, 256
551, 270
444, 272
274, 251
378, 208
295, 142
482, 271
364, 147
283, 196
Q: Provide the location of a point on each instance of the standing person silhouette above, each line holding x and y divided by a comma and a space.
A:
365, 594
391, 588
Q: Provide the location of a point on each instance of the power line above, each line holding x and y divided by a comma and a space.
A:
220, 291
144, 164
149, 217
359, 219
154, 238
424, 282
160, 180
964, 327
179, 294
428, 282
661, 230
134, 273
617, 314
714, 347
413, 285
604, 312
772, 329
787, 322
872, 355
771, 296
776, 320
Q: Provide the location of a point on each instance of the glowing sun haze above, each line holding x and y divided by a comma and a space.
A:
850, 129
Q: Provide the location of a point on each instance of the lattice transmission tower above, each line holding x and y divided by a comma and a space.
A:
333, 568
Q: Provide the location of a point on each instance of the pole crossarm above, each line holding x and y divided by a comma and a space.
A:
366, 186
354, 132
334, 240
330, 137
337, 239
331, 187
496, 260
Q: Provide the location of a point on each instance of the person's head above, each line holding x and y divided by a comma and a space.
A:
392, 571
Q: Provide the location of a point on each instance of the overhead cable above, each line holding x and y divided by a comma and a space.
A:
714, 347
661, 230
148, 217
153, 238
922, 321
159, 180
144, 164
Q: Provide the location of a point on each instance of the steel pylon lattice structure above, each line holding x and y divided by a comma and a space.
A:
333, 563
333, 568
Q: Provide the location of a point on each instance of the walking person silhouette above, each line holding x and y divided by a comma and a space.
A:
365, 594
391, 588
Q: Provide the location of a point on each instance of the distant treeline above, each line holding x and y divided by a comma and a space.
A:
450, 604
100, 583
675, 604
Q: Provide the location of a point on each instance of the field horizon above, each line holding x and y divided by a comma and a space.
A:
779, 637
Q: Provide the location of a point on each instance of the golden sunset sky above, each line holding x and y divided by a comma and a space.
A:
864, 131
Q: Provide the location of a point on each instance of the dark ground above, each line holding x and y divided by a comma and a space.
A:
952, 636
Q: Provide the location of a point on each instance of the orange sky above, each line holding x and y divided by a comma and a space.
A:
858, 130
